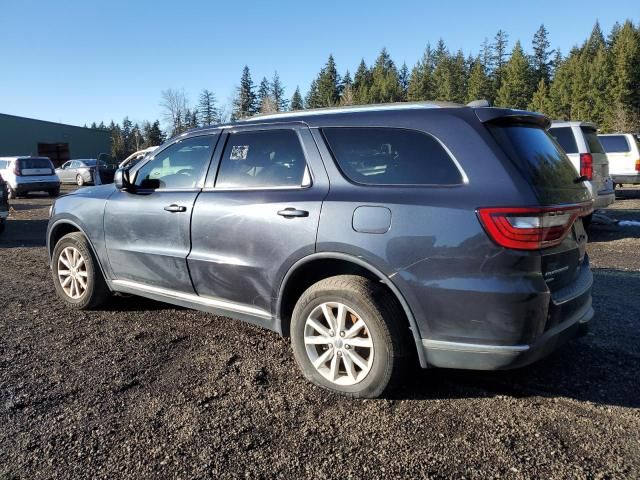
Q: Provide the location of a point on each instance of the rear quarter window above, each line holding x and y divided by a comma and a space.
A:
543, 162
564, 136
391, 156
591, 139
615, 144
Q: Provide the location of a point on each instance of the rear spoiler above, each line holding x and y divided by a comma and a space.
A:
509, 117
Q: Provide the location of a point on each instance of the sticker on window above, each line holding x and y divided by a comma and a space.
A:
239, 152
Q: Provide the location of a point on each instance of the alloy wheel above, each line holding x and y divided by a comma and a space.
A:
338, 343
72, 272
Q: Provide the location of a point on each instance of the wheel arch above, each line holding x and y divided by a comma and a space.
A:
318, 266
63, 227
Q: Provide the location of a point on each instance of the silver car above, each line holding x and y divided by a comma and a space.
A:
79, 171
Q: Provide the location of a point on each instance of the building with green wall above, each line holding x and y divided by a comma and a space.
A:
59, 142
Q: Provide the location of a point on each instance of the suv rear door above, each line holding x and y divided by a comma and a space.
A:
257, 215
601, 179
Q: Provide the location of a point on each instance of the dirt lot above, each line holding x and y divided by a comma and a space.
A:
143, 388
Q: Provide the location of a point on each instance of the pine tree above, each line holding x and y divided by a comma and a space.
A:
117, 142
541, 58
361, 84
625, 94
421, 79
207, 108
277, 93
93, 125
328, 84
450, 76
296, 100
385, 84
263, 97
541, 101
479, 86
595, 41
346, 91
312, 99
244, 104
501, 42
515, 90
403, 78
153, 135
102, 126
127, 131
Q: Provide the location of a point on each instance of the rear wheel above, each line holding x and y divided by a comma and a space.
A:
349, 336
76, 274
80, 180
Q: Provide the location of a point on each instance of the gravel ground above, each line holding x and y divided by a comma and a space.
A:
142, 388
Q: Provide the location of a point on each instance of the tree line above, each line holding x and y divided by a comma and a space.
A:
597, 81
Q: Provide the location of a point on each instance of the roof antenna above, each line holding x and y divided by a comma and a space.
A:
479, 103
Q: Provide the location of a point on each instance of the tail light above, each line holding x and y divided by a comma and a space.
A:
586, 165
638, 165
531, 228
16, 169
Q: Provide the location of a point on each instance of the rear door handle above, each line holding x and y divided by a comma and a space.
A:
292, 212
175, 208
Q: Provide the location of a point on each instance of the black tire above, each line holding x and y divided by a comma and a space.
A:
79, 180
386, 324
54, 192
96, 292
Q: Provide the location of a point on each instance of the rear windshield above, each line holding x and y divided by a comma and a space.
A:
615, 143
28, 163
591, 138
391, 156
543, 162
564, 136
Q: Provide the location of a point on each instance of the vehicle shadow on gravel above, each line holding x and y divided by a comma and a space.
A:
602, 367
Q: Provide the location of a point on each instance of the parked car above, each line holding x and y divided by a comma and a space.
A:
29, 174
4, 204
580, 141
623, 152
135, 157
371, 236
79, 171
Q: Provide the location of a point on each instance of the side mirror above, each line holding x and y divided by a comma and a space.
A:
121, 179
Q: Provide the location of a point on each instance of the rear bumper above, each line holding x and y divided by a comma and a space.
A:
631, 179
604, 199
36, 186
570, 311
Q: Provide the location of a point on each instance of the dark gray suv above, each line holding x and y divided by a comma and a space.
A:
372, 236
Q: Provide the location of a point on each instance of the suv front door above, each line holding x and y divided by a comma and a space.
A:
147, 230
257, 216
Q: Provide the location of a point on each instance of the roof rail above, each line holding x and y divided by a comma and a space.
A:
482, 102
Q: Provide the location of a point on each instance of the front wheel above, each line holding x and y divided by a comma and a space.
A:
76, 274
80, 180
349, 336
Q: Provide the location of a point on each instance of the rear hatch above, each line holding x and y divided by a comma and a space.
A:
562, 197
35, 167
601, 178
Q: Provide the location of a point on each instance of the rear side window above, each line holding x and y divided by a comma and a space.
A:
391, 156
542, 161
615, 144
591, 138
263, 159
28, 163
564, 136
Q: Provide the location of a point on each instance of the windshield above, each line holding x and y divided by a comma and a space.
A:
543, 162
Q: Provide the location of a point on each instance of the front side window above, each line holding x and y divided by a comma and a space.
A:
391, 156
564, 136
262, 159
180, 165
615, 144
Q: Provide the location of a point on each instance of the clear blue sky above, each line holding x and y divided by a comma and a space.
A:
77, 61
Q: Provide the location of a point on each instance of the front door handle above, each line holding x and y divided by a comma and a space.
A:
175, 208
292, 212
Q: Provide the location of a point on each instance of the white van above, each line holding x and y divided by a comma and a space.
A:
624, 157
29, 174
